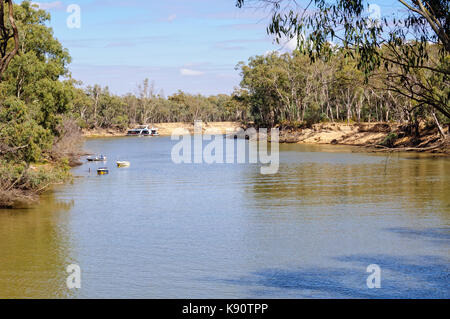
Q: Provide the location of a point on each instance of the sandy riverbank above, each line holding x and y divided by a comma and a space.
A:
338, 133
166, 129
377, 135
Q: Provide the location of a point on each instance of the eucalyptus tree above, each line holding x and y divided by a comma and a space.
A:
400, 45
8, 31
146, 98
33, 82
36, 95
258, 79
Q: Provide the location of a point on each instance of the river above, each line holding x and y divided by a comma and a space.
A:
162, 230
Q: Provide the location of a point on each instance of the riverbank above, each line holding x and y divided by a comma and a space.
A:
21, 185
166, 129
371, 136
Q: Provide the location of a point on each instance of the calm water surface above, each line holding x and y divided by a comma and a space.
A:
160, 230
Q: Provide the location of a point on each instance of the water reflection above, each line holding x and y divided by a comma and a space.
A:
333, 179
35, 249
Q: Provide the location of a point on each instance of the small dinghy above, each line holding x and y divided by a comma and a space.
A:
123, 164
103, 171
100, 158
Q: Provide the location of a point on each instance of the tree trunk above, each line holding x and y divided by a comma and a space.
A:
6, 57
441, 131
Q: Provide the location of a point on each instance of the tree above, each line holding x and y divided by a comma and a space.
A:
36, 95
7, 33
22, 138
146, 96
401, 46
32, 88
34, 74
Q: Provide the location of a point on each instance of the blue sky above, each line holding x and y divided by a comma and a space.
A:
192, 45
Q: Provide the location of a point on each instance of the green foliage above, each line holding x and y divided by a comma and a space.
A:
38, 177
291, 88
389, 140
22, 138
54, 99
20, 182
398, 46
34, 100
34, 75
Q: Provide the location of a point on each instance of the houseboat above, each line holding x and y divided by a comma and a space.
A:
143, 130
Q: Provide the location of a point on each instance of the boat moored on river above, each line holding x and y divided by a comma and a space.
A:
123, 163
100, 158
103, 171
143, 130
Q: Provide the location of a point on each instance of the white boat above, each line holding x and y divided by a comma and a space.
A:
100, 158
143, 130
123, 164
154, 131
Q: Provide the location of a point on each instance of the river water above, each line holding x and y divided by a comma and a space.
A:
162, 230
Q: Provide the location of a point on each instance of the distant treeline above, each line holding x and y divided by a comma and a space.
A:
96, 107
291, 88
276, 89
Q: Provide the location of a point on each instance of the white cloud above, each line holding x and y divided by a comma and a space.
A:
189, 72
269, 52
291, 44
49, 5
171, 17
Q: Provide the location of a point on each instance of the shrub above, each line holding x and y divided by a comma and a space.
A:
389, 140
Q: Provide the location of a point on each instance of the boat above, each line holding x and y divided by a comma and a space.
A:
143, 130
139, 131
154, 131
123, 163
103, 171
100, 158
